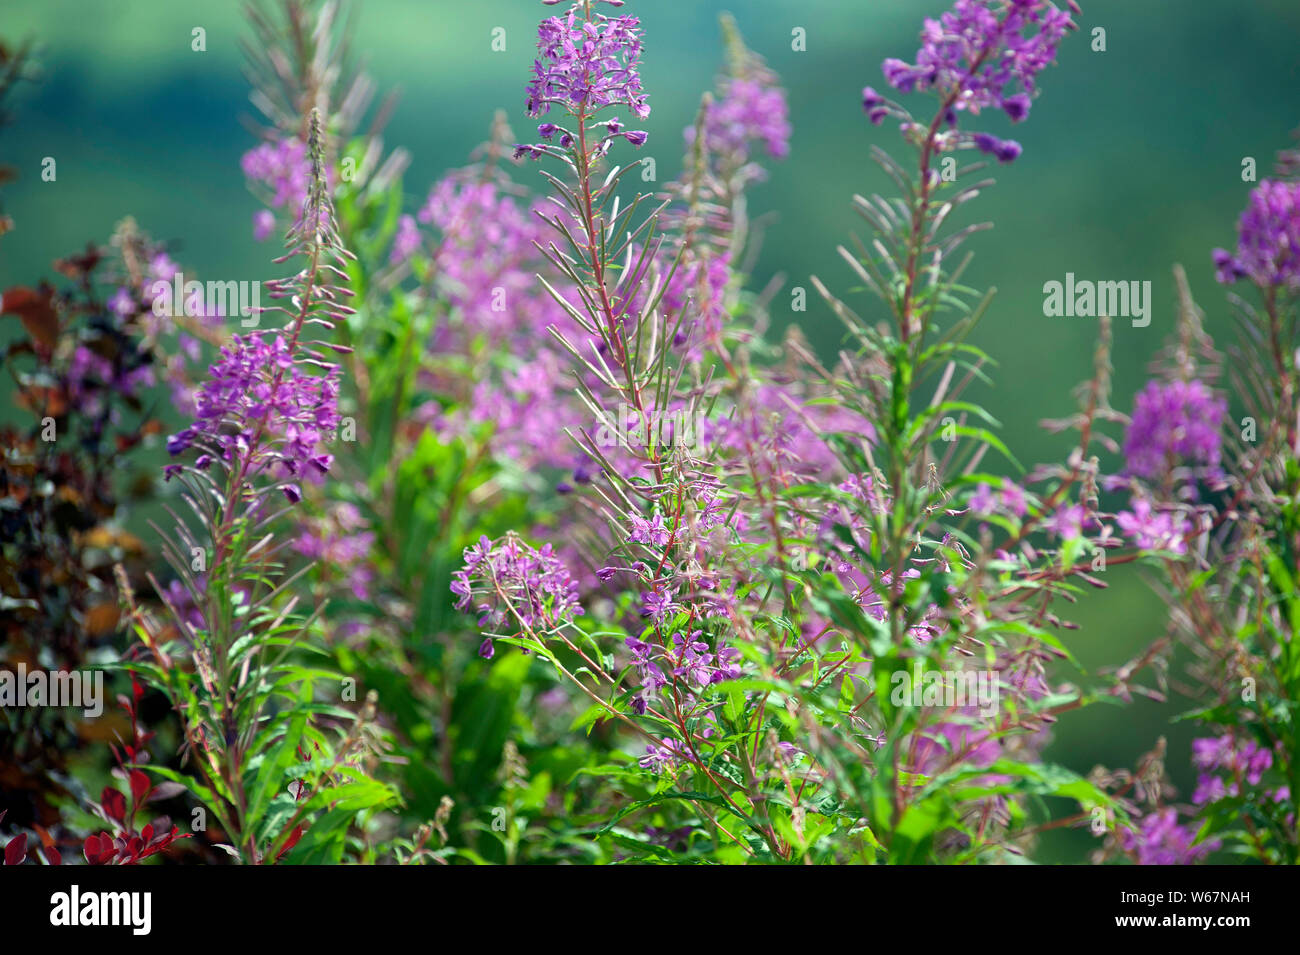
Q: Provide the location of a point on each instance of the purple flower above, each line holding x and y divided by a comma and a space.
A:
873, 104
340, 539
692, 658
950, 742
651, 531
1248, 761
652, 677
284, 167
122, 303
659, 758
583, 66
1067, 522
1154, 530
702, 282
1012, 499
752, 108
487, 258
1005, 150
980, 54
728, 665
405, 241
658, 605
161, 269
263, 224
1268, 238
1017, 106
981, 502
985, 53
257, 390
1210, 789
516, 584
1172, 422
1212, 752
1159, 840
1257, 761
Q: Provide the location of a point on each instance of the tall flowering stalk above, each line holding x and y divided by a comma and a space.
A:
958, 566
257, 728
1235, 489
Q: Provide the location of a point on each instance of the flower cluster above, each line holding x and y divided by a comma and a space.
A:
668, 754
1160, 840
485, 266
283, 170
752, 109
515, 584
980, 54
951, 742
1154, 530
1010, 500
341, 543
406, 241
585, 65
486, 257
701, 281
786, 434
1174, 422
1268, 238
686, 658
1245, 761
258, 389
91, 376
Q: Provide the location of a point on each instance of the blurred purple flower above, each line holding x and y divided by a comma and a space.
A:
406, 241
1159, 840
1268, 243
1178, 420
1152, 530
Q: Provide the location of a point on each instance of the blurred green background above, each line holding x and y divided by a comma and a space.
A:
1132, 162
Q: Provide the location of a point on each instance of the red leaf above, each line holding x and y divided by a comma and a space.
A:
99, 849
113, 803
91, 849
35, 310
46, 839
52, 856
290, 842
139, 786
16, 851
